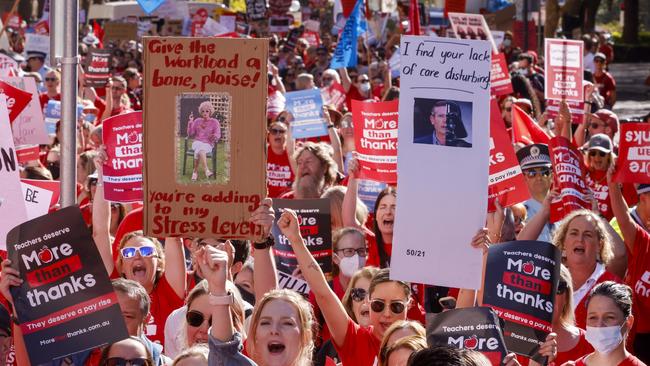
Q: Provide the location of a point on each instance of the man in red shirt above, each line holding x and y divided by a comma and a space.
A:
604, 80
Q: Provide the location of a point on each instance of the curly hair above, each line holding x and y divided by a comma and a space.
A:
606, 252
323, 153
207, 105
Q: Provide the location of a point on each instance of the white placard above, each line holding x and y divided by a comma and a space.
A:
37, 200
442, 177
12, 207
29, 126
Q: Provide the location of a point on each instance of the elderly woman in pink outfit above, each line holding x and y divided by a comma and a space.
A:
206, 131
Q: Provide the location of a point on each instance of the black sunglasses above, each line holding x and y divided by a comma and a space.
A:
119, 361
532, 173
562, 286
196, 318
51, 79
277, 131
358, 294
396, 307
602, 154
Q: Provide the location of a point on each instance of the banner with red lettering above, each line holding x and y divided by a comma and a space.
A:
98, 65
568, 177
17, 99
122, 136
375, 139
563, 65
521, 279
500, 83
633, 164
507, 183
66, 303
475, 329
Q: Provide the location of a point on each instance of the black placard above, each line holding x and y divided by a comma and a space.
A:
66, 303
98, 68
520, 284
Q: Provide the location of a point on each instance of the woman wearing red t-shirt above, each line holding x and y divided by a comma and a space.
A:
280, 165
609, 322
389, 301
637, 240
53, 85
160, 272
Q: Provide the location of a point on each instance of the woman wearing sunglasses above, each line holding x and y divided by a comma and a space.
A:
142, 259
281, 165
609, 322
127, 352
388, 299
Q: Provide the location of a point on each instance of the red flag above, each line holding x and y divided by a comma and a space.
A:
99, 33
525, 129
17, 99
414, 18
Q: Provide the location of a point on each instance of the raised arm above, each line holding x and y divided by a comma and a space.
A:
109, 100
536, 224
291, 145
335, 140
621, 211
345, 79
349, 209
101, 217
265, 278
175, 266
332, 309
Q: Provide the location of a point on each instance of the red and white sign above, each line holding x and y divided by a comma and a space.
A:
27, 153
37, 200
564, 69
122, 136
633, 164
333, 95
7, 65
568, 177
312, 38
375, 138
17, 99
577, 110
500, 83
53, 186
471, 26
506, 182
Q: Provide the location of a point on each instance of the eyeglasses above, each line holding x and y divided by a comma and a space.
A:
358, 294
196, 318
396, 307
562, 286
145, 251
593, 153
508, 109
349, 252
117, 88
277, 131
119, 361
532, 173
364, 81
51, 79
327, 79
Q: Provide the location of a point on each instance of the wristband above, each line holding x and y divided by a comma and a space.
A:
228, 299
330, 126
269, 242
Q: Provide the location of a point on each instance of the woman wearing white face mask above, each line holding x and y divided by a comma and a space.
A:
609, 321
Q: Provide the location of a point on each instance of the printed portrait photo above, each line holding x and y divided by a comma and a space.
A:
442, 122
203, 138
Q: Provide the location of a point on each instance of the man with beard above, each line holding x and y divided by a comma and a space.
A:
316, 171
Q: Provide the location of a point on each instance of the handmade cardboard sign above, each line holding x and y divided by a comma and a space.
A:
499, 76
17, 99
29, 127
375, 139
66, 303
563, 66
37, 200
568, 177
204, 136
122, 136
98, 67
117, 31
290, 282
507, 183
476, 329
306, 108
471, 26
521, 279
53, 186
12, 206
633, 164
316, 230
444, 97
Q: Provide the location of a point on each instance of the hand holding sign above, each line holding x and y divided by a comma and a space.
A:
10, 278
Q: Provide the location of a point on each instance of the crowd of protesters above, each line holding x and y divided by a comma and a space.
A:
206, 301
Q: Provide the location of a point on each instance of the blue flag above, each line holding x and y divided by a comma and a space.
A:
150, 5
345, 54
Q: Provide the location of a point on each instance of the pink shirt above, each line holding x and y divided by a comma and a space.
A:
204, 130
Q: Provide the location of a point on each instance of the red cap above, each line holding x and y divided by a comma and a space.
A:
608, 117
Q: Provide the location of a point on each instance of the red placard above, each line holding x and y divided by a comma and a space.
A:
563, 65
500, 83
633, 164
375, 139
333, 95
122, 136
198, 21
17, 99
42, 27
27, 153
577, 110
568, 177
51, 185
312, 38
506, 182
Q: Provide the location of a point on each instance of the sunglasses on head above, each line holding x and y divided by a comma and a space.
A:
532, 173
358, 294
562, 286
602, 154
396, 307
119, 361
145, 251
196, 318
277, 131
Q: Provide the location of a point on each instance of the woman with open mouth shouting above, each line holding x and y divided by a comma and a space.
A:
141, 258
389, 301
281, 325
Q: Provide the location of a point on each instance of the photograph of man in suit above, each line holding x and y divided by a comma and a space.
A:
448, 127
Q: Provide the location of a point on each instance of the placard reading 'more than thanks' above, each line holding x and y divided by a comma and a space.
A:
204, 136
442, 160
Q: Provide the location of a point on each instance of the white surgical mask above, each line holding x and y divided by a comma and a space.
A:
350, 265
507, 42
604, 339
365, 87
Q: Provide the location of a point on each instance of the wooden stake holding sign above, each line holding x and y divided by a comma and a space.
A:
204, 136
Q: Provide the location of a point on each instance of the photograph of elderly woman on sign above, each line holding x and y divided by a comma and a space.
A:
203, 141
